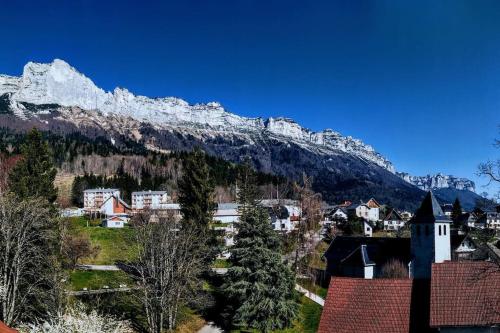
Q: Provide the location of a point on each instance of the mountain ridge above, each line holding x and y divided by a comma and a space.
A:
59, 83
56, 97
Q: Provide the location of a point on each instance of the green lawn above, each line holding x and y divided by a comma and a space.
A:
98, 279
115, 244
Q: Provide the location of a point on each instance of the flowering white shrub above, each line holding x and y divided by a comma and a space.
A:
78, 319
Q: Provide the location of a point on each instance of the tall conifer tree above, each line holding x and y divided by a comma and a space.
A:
456, 212
259, 285
33, 176
196, 191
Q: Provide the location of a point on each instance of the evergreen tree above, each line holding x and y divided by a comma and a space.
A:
456, 212
196, 191
33, 176
260, 286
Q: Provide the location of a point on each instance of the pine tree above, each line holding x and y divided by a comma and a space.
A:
196, 191
33, 176
259, 285
456, 212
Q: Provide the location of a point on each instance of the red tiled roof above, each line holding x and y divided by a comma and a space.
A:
6, 329
370, 306
465, 294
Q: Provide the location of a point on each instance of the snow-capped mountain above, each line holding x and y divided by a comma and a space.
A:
56, 97
438, 181
58, 83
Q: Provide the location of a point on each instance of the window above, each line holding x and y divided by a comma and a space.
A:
444, 230
439, 230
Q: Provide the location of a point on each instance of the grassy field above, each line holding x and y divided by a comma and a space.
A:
115, 244
98, 279
309, 285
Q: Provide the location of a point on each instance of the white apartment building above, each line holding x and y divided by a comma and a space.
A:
149, 200
94, 198
493, 220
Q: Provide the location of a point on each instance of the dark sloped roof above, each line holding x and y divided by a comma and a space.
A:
393, 215
362, 305
378, 249
430, 211
465, 294
358, 257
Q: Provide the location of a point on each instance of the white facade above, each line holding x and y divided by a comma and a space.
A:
493, 220
368, 213
227, 213
149, 200
367, 229
393, 225
289, 223
94, 198
114, 222
339, 214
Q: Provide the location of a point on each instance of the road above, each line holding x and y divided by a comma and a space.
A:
210, 328
313, 297
98, 267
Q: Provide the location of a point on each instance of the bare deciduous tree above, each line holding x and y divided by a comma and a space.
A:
394, 269
491, 169
26, 261
76, 247
311, 215
171, 258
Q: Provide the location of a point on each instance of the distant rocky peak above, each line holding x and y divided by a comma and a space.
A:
437, 181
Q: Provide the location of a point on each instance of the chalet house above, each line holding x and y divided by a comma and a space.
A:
464, 248
406, 215
94, 198
339, 213
116, 211
149, 200
447, 209
114, 206
493, 220
116, 221
369, 211
393, 221
285, 214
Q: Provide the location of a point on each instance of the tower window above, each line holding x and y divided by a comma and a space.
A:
439, 230
444, 230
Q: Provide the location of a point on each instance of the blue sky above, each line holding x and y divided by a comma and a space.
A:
420, 81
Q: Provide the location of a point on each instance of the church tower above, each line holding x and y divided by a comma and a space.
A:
430, 237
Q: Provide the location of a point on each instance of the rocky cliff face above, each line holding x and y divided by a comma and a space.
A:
56, 97
59, 83
432, 182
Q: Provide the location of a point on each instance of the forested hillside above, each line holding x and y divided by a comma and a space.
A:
129, 167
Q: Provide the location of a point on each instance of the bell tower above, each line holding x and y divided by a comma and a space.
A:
430, 237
